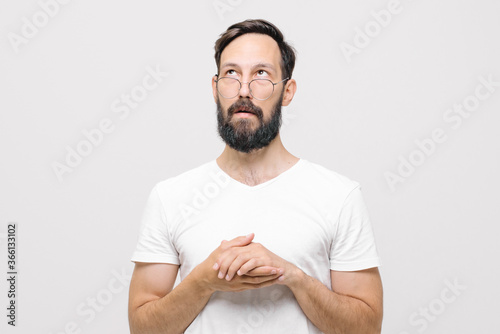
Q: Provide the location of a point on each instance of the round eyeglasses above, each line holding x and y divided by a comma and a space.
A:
260, 89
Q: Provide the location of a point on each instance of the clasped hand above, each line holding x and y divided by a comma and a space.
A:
240, 264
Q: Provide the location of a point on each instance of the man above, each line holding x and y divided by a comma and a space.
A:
300, 255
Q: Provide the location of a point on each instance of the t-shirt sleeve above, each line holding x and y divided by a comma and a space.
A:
353, 247
154, 244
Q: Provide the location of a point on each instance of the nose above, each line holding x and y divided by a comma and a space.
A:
245, 89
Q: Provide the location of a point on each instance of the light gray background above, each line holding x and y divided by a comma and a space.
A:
357, 118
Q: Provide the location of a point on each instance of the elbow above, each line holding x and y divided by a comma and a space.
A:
376, 327
137, 323
133, 322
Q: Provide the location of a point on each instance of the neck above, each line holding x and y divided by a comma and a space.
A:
257, 166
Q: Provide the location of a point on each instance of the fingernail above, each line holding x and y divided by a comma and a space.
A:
281, 271
281, 278
228, 278
221, 275
248, 235
273, 272
216, 266
239, 273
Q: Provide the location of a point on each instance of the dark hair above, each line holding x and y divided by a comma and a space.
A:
259, 27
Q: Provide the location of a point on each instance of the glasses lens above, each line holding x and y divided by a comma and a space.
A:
261, 89
228, 87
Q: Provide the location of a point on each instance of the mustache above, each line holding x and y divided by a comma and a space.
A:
244, 104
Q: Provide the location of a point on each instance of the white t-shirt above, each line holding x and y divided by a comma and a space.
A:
308, 215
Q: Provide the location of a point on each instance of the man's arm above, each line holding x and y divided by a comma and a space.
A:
354, 305
154, 307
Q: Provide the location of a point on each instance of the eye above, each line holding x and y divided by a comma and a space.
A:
261, 73
230, 72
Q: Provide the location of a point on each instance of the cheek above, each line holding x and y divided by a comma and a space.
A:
224, 106
268, 107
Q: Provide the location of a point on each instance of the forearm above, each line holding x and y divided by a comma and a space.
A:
172, 313
332, 312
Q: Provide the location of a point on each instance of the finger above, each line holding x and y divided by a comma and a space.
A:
238, 241
246, 282
232, 261
266, 283
250, 265
239, 261
264, 271
226, 259
258, 280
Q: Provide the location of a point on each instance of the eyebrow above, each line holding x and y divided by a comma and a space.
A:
263, 65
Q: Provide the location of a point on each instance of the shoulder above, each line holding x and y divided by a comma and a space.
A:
187, 180
326, 178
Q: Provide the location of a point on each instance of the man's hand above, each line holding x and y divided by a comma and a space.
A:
254, 276
235, 263
354, 304
155, 307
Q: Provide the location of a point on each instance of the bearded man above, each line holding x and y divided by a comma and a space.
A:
263, 241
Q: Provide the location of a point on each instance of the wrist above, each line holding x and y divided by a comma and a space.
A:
294, 277
199, 283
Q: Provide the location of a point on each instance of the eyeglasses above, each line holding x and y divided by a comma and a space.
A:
260, 89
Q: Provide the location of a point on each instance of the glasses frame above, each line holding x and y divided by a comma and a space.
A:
248, 83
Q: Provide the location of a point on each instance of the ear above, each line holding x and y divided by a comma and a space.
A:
214, 88
290, 89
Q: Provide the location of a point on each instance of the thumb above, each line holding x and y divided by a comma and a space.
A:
249, 238
240, 241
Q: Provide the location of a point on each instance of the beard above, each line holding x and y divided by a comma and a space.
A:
238, 133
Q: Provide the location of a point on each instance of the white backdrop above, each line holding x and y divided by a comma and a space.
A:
100, 100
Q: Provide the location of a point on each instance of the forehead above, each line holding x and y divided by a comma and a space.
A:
251, 49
